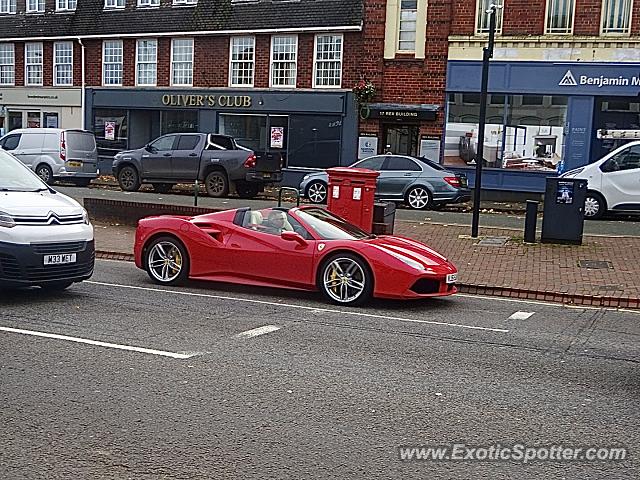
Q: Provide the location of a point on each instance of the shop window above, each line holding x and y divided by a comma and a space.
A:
242, 61
66, 5
616, 15
532, 100
146, 62
110, 130
407, 25
284, 54
327, 65
35, 6
51, 120
482, 20
182, 61
15, 120
173, 121
112, 62
33, 63
560, 16
63, 63
7, 64
8, 6
314, 141
34, 120
250, 131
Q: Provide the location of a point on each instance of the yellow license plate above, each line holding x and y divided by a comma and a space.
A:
74, 164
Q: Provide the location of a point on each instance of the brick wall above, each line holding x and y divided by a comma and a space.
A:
587, 18
524, 17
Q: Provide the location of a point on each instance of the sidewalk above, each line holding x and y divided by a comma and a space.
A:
540, 271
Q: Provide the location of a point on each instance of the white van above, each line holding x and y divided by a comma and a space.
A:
55, 153
46, 238
613, 182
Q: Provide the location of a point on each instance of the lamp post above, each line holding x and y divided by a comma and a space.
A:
487, 53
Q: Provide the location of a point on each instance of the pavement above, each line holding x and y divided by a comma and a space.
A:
117, 378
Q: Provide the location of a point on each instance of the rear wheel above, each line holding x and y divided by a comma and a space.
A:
217, 184
129, 179
418, 198
317, 192
166, 261
162, 187
45, 173
247, 189
56, 286
595, 206
345, 279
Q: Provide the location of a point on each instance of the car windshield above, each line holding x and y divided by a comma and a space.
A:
329, 226
15, 177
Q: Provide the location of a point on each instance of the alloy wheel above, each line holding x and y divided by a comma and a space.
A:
317, 192
165, 262
45, 174
216, 184
127, 178
344, 280
418, 198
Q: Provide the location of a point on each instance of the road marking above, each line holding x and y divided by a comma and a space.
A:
300, 307
258, 331
520, 315
180, 356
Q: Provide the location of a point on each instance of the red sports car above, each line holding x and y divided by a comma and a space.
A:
305, 248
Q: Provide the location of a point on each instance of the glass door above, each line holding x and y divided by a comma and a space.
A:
15, 120
401, 139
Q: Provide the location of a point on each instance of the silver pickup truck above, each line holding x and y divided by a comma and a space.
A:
216, 160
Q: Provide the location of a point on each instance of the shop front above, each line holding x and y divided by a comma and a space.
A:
308, 130
40, 107
542, 118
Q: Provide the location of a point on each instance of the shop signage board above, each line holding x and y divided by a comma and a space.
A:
367, 145
109, 130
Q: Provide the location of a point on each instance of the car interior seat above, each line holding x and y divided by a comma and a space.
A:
253, 219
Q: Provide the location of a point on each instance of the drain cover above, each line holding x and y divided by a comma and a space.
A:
594, 264
493, 241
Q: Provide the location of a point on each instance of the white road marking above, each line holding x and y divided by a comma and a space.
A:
520, 315
258, 331
180, 356
300, 307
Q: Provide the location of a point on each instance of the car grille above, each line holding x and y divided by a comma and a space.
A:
9, 267
425, 286
51, 219
55, 248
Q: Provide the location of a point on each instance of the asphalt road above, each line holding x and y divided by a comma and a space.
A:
611, 226
331, 393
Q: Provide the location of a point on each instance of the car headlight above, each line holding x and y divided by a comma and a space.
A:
7, 220
85, 217
305, 177
572, 173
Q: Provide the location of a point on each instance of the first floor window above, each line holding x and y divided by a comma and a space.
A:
35, 6
242, 60
407, 25
284, 55
33, 63
114, 3
66, 4
482, 22
148, 3
182, 61
328, 61
560, 16
7, 64
147, 62
112, 62
185, 2
616, 16
63, 63
8, 6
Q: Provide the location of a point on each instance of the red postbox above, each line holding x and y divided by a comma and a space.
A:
351, 195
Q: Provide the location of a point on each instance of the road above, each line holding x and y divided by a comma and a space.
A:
610, 227
179, 391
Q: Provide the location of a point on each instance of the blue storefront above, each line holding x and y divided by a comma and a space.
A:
542, 117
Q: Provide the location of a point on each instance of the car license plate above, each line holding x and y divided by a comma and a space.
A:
463, 181
60, 259
74, 164
452, 278
266, 175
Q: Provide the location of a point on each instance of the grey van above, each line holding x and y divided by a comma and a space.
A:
55, 153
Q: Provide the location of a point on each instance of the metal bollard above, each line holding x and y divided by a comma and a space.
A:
531, 221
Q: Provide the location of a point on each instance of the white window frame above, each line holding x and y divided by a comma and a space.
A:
315, 59
273, 61
8, 7
252, 61
552, 5
148, 3
66, 5
57, 45
27, 64
138, 62
11, 64
399, 29
104, 70
39, 4
482, 17
114, 4
615, 31
193, 49
185, 3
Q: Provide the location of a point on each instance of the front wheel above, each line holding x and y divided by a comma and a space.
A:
129, 179
594, 206
166, 261
217, 184
345, 279
418, 198
317, 192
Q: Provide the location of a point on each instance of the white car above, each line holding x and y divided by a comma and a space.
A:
46, 238
613, 182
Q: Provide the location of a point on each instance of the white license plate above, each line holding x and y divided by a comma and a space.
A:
60, 259
452, 278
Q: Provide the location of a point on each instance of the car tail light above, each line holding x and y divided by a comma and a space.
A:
63, 147
250, 162
453, 181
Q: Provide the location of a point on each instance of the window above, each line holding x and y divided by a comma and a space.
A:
146, 62
628, 159
33, 63
148, 3
66, 4
407, 25
63, 63
328, 61
559, 16
188, 142
7, 64
112, 62
114, 3
116, 121
35, 6
182, 61
615, 16
173, 121
163, 144
284, 55
11, 142
400, 164
7, 6
242, 58
373, 163
482, 25
185, 2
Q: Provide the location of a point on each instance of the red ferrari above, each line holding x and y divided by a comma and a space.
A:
304, 248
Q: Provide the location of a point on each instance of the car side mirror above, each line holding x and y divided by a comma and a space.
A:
293, 237
150, 148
